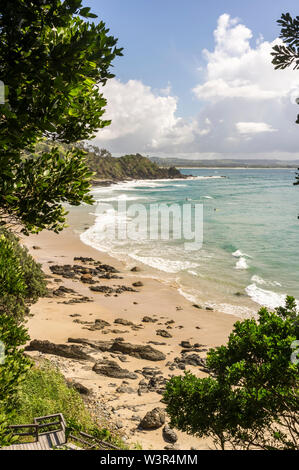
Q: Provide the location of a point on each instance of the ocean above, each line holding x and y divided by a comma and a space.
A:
249, 254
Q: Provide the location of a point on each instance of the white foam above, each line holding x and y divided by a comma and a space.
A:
242, 264
193, 273
240, 254
264, 297
236, 310
162, 264
187, 296
258, 280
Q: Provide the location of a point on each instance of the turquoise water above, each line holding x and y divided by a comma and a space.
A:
251, 235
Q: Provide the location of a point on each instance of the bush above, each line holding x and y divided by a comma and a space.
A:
32, 274
251, 399
22, 280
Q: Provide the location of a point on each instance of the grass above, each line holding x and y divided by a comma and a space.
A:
45, 391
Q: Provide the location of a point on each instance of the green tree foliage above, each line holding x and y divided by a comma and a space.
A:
287, 54
251, 399
22, 280
53, 63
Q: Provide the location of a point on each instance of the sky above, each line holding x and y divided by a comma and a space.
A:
196, 80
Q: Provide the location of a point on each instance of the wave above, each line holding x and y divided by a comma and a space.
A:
240, 254
266, 298
163, 264
242, 263
258, 280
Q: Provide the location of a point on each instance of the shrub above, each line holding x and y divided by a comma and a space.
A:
251, 399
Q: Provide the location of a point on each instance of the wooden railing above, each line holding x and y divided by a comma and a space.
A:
91, 442
33, 430
41, 426
44, 425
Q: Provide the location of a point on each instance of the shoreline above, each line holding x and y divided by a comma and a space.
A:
163, 303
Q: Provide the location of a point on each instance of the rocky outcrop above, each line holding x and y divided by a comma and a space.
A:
146, 352
141, 352
64, 350
163, 333
112, 369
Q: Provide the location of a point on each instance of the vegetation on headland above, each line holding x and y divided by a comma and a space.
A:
251, 398
111, 169
127, 167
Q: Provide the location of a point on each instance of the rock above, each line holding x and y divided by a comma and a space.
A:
157, 343
135, 418
138, 284
87, 279
36, 247
80, 388
98, 325
123, 321
103, 346
171, 447
197, 306
153, 419
136, 269
147, 319
141, 352
63, 290
194, 360
112, 369
106, 268
125, 389
123, 359
64, 350
169, 435
84, 260
210, 309
186, 344
138, 351
122, 289
163, 333
102, 289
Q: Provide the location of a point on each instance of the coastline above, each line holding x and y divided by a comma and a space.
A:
52, 321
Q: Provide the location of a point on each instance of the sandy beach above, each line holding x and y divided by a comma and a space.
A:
61, 317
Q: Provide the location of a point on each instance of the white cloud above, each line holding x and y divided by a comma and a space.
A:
254, 127
241, 100
143, 121
237, 70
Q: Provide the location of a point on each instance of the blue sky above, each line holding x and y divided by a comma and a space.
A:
163, 44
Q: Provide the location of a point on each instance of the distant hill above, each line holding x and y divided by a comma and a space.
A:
127, 167
224, 163
109, 169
